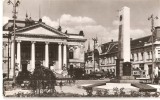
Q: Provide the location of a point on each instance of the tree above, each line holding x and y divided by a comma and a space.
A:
22, 76
43, 79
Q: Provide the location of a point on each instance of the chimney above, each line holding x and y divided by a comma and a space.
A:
59, 28
112, 40
40, 20
81, 33
66, 32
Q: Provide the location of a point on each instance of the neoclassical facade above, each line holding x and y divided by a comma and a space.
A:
39, 44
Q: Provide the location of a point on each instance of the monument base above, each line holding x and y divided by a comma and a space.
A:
127, 77
124, 81
124, 74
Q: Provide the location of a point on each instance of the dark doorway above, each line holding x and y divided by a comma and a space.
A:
149, 69
37, 65
24, 67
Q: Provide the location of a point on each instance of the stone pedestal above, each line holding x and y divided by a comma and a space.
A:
125, 70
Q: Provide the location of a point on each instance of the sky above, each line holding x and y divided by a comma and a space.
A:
95, 17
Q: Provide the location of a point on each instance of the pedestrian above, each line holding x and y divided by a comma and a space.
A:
60, 85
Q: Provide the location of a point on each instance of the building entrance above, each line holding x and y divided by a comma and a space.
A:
24, 67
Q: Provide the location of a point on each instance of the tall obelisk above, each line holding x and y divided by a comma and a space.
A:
123, 65
124, 34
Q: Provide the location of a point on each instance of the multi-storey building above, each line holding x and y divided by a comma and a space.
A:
141, 55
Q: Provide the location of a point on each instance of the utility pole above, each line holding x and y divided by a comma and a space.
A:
152, 18
95, 41
14, 4
9, 36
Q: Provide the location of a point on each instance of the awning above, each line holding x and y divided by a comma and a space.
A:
144, 87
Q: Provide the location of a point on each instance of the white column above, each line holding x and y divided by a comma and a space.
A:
19, 55
12, 62
46, 55
65, 55
60, 55
33, 55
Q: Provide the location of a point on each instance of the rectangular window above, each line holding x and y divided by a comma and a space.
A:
133, 57
103, 61
141, 66
149, 55
142, 56
70, 54
158, 53
149, 69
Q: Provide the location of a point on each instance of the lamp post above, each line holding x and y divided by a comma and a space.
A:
9, 36
152, 18
14, 4
95, 41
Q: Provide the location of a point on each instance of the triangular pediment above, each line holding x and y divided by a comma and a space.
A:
40, 29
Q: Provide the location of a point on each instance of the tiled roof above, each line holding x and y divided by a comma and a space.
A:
109, 47
112, 47
140, 42
19, 24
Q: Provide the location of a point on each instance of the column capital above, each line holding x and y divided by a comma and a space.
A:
13, 41
19, 41
33, 42
60, 43
64, 43
46, 42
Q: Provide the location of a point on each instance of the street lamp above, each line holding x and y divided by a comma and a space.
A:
95, 41
152, 18
15, 4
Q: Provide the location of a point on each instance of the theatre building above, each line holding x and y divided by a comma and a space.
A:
38, 44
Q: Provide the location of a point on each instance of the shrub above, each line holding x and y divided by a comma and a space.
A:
43, 79
122, 93
106, 92
22, 76
156, 94
89, 91
147, 94
134, 94
99, 93
116, 91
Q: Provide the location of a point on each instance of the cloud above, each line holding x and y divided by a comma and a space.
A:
115, 23
68, 20
5, 20
136, 33
73, 24
49, 22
